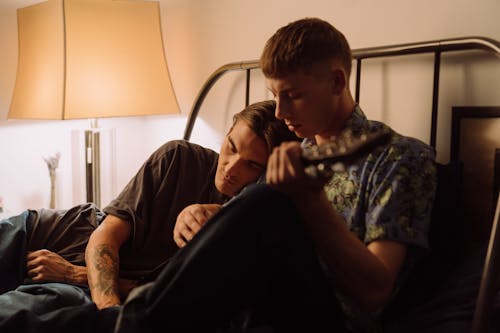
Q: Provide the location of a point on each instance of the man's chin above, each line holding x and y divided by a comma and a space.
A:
225, 189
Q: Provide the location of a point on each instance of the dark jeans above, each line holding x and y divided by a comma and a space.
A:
251, 268
254, 261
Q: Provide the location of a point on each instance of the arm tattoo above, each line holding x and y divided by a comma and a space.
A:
106, 263
68, 274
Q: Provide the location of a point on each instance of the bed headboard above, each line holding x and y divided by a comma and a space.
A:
437, 47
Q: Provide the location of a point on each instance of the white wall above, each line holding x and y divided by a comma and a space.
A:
201, 35
398, 90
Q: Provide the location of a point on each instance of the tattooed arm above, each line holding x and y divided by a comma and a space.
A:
101, 256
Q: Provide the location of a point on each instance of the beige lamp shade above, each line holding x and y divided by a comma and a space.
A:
91, 59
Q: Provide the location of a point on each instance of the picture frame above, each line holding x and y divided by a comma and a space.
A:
475, 142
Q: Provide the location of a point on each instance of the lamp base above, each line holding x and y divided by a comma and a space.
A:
94, 166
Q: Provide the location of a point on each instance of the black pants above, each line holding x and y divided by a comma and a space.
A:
252, 261
252, 266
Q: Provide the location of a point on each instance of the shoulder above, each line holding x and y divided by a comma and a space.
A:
182, 149
401, 146
411, 147
413, 152
403, 157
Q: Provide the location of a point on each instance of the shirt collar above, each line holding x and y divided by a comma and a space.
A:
356, 123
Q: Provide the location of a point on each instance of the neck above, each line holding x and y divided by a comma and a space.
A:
343, 109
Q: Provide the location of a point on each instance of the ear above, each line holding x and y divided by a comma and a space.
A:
338, 80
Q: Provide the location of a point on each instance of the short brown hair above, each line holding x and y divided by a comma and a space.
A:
302, 43
260, 118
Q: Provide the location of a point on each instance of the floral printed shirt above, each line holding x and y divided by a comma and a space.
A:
385, 194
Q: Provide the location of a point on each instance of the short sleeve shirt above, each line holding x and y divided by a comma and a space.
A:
387, 193
176, 175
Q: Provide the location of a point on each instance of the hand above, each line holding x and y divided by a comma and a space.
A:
285, 171
45, 265
191, 219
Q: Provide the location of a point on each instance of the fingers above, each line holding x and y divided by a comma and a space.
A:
191, 219
284, 164
35, 274
36, 258
35, 254
44, 265
209, 210
272, 166
179, 240
186, 227
34, 267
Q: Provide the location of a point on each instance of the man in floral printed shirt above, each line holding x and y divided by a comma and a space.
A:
385, 195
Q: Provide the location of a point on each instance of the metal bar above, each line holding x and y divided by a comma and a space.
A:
358, 79
444, 45
96, 166
89, 171
247, 89
435, 98
208, 85
489, 286
93, 165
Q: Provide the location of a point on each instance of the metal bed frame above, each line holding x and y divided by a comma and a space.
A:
490, 280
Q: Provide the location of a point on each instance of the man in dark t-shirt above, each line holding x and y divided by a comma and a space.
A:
178, 177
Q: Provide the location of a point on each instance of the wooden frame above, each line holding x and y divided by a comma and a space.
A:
475, 141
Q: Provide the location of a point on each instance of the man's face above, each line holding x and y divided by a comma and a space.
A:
306, 102
242, 159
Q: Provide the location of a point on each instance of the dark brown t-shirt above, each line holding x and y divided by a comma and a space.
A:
176, 175
65, 232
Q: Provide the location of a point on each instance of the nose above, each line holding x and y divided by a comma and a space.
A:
232, 166
280, 111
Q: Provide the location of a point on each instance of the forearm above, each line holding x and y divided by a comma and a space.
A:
357, 271
101, 256
102, 270
45, 265
76, 274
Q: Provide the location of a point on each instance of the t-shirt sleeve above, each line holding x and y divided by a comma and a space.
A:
132, 204
177, 174
402, 194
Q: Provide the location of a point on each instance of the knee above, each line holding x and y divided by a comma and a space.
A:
260, 203
264, 196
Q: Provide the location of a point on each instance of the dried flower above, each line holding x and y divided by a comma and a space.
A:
52, 164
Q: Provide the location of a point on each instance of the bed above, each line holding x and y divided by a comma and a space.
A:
462, 293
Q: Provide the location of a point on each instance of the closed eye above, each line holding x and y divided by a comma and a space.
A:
256, 165
232, 146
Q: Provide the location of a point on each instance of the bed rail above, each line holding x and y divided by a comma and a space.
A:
490, 279
436, 46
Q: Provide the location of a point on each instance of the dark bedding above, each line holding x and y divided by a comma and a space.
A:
451, 308
440, 295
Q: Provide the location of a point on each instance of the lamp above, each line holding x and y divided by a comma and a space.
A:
91, 59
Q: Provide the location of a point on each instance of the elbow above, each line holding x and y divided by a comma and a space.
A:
94, 239
376, 299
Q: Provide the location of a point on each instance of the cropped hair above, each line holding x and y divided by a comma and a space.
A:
260, 118
301, 44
